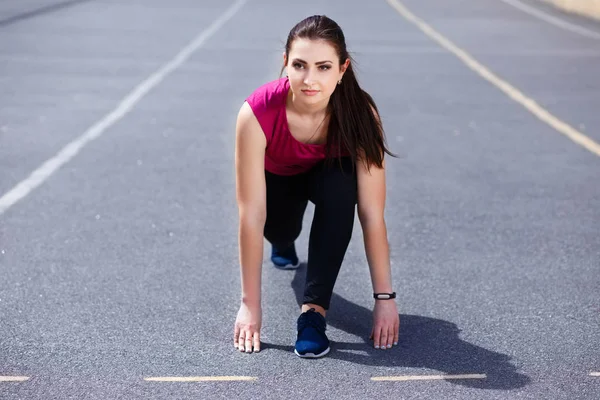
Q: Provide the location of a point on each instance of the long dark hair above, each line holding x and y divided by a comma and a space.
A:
352, 125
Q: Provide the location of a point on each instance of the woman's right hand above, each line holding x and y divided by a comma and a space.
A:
247, 328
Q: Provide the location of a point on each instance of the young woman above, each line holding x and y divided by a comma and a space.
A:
314, 135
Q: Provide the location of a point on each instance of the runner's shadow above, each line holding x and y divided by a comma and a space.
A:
424, 343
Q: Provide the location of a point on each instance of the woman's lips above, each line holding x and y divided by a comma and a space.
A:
310, 92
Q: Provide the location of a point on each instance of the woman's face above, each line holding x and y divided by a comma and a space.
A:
313, 69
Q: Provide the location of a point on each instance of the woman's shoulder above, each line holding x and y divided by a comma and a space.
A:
269, 95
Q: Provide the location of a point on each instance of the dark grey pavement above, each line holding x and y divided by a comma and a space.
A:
123, 264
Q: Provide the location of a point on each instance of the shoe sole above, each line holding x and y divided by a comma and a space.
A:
312, 355
288, 266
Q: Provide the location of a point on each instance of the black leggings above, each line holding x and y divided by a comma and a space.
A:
333, 191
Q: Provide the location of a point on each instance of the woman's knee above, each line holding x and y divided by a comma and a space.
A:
281, 236
335, 185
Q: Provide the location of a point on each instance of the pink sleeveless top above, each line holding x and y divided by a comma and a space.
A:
284, 155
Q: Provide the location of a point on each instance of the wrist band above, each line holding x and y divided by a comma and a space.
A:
384, 296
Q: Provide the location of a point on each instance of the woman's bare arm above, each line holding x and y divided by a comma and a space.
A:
251, 198
250, 146
371, 204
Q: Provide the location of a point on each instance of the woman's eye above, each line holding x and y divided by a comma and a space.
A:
321, 67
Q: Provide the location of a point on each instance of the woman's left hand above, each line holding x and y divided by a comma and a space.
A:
386, 324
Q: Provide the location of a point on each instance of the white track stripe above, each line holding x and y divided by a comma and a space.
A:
553, 20
200, 378
404, 378
43, 172
13, 378
528, 103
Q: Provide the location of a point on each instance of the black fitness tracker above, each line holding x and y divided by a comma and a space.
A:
384, 296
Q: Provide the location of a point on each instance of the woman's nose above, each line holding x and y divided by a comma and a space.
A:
308, 78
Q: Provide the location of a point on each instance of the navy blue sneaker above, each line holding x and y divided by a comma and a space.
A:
312, 341
285, 259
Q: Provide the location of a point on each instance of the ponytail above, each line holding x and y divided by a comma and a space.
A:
354, 124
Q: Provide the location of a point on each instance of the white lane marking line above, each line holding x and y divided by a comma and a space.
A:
426, 377
504, 86
43, 172
200, 378
13, 378
552, 19
594, 373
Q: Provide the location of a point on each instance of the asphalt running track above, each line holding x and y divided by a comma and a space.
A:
118, 251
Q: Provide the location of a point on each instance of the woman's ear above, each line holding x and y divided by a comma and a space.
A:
345, 65
343, 69
284, 68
